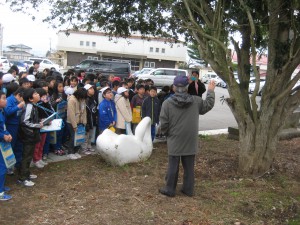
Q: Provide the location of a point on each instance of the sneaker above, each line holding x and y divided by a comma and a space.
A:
87, 152
26, 183
43, 163
5, 197
45, 157
77, 155
32, 176
38, 164
10, 171
6, 189
72, 156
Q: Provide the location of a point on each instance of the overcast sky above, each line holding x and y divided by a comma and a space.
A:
19, 28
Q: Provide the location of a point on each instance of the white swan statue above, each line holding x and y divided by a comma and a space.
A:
119, 150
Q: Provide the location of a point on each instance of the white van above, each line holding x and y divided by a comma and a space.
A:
45, 63
208, 76
163, 76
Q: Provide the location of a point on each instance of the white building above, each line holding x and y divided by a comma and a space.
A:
154, 53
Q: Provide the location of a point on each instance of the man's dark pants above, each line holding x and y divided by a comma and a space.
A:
188, 163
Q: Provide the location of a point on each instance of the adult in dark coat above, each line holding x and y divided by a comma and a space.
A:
196, 87
179, 120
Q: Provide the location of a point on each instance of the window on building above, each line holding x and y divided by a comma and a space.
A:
90, 57
95, 58
146, 64
152, 64
81, 43
163, 50
151, 49
87, 43
157, 50
135, 65
94, 44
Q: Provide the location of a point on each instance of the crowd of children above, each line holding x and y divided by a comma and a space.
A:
92, 101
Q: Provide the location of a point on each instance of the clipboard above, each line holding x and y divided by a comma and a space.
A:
49, 119
54, 126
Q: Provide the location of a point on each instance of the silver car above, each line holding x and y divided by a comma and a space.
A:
163, 76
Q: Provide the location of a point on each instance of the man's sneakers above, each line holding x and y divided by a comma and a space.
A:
26, 183
4, 196
166, 193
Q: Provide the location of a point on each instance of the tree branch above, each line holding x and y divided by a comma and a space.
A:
200, 29
204, 15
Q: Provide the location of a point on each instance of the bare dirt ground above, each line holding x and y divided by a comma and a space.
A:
88, 191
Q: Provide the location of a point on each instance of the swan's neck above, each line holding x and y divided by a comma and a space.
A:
143, 131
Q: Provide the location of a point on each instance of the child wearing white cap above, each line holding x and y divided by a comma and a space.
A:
124, 113
91, 112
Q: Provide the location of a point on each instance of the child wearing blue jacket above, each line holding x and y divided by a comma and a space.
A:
13, 111
4, 137
107, 110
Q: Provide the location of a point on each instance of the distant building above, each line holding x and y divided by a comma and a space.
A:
152, 53
18, 52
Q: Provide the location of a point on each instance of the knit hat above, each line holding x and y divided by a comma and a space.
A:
181, 81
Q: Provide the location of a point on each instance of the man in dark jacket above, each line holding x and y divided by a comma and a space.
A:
196, 87
179, 120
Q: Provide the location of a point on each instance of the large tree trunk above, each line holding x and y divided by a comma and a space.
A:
259, 124
257, 148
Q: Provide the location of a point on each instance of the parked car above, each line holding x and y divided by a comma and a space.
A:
252, 85
45, 63
223, 84
208, 76
142, 71
163, 76
28, 63
217, 80
4, 65
119, 69
21, 65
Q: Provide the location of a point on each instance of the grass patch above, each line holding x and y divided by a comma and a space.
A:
89, 191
